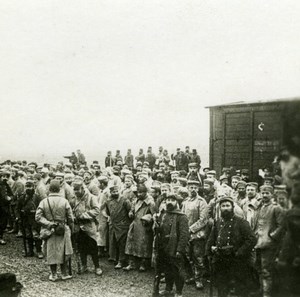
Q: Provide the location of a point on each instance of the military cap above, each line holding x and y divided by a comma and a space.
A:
212, 172
266, 188
245, 171
113, 187
280, 187
88, 172
223, 176
252, 184
146, 163
175, 197
226, 169
37, 176
29, 182
182, 179
206, 168
236, 177
171, 167
103, 178
280, 193
128, 176
16, 166
78, 179
174, 172
193, 165
241, 183
193, 182
156, 183
270, 178
78, 182
226, 199
116, 168
59, 174
44, 169
165, 185
126, 171
183, 190
208, 181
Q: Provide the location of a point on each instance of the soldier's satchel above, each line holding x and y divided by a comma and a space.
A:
59, 229
46, 233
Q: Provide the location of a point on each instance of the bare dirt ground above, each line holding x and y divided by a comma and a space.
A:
33, 274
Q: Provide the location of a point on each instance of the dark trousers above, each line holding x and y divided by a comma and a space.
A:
229, 270
117, 247
174, 271
87, 246
4, 214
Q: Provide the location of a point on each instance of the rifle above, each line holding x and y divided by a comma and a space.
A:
155, 261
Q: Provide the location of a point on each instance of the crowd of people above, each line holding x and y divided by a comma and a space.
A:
165, 211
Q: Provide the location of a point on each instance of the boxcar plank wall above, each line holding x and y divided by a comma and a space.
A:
245, 135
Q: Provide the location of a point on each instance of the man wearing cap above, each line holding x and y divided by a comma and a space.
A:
40, 187
268, 229
224, 181
195, 208
195, 158
81, 158
194, 174
150, 158
234, 182
127, 192
160, 203
230, 244
5, 197
118, 209
66, 191
160, 155
26, 209
52, 211
128, 160
90, 183
140, 235
173, 230
208, 190
109, 162
86, 210
249, 204
18, 189
245, 175
141, 156
118, 157
103, 216
115, 178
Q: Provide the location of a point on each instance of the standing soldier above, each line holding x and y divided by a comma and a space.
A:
109, 162
128, 160
195, 208
118, 209
86, 210
230, 244
141, 156
268, 230
173, 239
140, 235
5, 197
26, 208
150, 158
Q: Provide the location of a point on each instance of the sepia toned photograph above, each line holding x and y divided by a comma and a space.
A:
150, 148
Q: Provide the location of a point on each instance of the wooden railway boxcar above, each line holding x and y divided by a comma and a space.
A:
247, 135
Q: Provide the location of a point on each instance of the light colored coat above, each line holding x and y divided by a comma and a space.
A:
56, 247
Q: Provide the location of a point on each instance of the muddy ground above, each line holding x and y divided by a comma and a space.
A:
33, 274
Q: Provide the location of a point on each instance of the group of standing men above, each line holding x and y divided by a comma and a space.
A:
191, 224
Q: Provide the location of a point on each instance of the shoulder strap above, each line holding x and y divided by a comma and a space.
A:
50, 209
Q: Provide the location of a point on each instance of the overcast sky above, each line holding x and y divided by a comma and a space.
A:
100, 75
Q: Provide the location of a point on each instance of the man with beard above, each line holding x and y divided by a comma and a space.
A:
140, 235
5, 197
230, 244
249, 204
195, 208
268, 228
245, 175
208, 190
26, 208
118, 208
173, 233
86, 210
90, 183
241, 192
